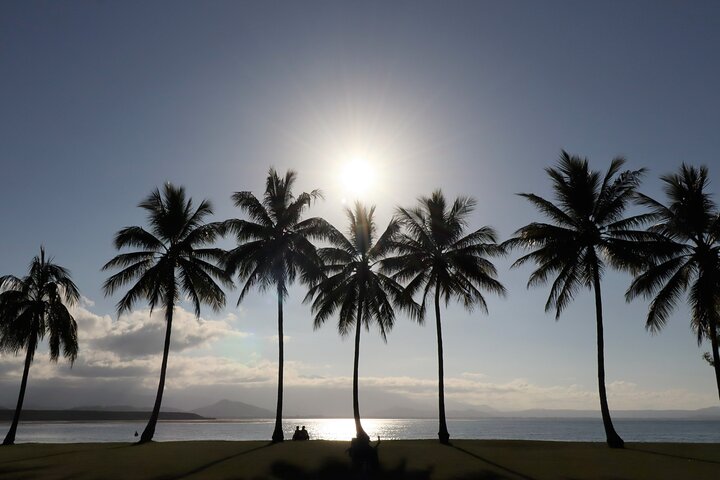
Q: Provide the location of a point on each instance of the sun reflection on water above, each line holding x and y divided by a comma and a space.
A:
344, 428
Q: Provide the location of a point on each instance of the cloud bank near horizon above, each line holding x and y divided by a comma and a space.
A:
119, 363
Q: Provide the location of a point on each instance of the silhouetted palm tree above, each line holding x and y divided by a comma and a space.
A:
433, 254
587, 231
172, 262
691, 224
32, 307
355, 288
273, 248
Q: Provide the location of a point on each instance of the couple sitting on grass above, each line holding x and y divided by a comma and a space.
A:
301, 434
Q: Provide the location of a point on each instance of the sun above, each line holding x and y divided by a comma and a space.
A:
357, 177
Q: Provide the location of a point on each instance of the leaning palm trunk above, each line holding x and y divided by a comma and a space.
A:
10, 437
443, 434
277, 435
149, 431
715, 353
613, 439
360, 433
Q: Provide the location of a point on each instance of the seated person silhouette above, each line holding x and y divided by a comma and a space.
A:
304, 435
297, 435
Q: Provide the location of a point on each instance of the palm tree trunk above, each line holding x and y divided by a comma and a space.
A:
10, 437
613, 439
715, 353
360, 433
149, 431
443, 433
277, 435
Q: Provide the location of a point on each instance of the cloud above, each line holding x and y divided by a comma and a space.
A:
141, 333
121, 359
516, 394
275, 338
126, 355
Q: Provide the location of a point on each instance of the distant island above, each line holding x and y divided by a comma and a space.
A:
94, 416
234, 410
229, 409
710, 413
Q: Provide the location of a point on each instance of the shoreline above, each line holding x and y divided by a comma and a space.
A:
522, 429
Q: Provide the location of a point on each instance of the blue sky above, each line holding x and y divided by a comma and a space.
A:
100, 102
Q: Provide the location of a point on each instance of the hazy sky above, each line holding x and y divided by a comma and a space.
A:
100, 102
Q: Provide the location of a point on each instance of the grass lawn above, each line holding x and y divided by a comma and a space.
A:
400, 459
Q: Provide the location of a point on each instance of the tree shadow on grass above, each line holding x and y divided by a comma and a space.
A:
334, 469
494, 464
24, 459
20, 472
671, 455
202, 468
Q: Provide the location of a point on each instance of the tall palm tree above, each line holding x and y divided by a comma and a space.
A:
586, 232
273, 249
355, 288
31, 308
172, 262
435, 254
691, 224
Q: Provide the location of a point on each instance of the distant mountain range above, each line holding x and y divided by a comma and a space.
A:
74, 415
120, 408
229, 409
710, 413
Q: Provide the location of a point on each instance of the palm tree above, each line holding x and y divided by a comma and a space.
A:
31, 308
273, 249
691, 224
433, 254
353, 287
586, 231
171, 263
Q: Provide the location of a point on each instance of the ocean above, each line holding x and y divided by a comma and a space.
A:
555, 429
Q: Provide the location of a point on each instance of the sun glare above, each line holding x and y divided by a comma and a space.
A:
357, 177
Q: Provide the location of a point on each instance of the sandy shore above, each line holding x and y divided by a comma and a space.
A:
401, 459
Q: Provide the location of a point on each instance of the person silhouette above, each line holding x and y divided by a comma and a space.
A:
298, 434
304, 435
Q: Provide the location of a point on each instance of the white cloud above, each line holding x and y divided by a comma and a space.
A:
141, 333
125, 355
275, 338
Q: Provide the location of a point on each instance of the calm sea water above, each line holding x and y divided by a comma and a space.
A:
388, 429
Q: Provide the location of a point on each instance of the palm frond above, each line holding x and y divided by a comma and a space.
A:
249, 204
137, 237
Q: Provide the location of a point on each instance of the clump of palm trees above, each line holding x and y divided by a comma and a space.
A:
274, 247
31, 308
690, 260
434, 254
173, 259
587, 231
362, 279
355, 288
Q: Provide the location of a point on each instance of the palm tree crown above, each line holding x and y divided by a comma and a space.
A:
274, 247
352, 274
354, 287
690, 259
172, 262
32, 307
587, 232
434, 254
588, 229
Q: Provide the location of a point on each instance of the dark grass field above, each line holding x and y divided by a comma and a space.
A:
402, 459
